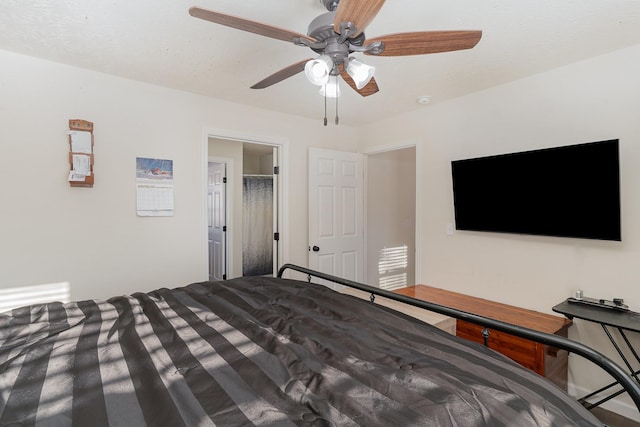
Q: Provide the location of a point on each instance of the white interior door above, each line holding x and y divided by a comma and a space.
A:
216, 216
336, 217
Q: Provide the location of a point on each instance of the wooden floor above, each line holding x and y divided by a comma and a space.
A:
612, 419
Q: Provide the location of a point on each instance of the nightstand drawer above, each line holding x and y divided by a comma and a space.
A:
525, 352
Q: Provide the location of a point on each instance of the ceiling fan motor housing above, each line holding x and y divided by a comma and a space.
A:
322, 30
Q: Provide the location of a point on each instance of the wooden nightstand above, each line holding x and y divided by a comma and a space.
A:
545, 360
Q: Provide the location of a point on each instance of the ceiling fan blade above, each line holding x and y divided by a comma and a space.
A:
369, 89
423, 42
278, 76
359, 12
247, 25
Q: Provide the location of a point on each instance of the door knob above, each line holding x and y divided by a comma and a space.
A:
315, 249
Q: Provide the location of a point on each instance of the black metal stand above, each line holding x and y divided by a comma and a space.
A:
620, 320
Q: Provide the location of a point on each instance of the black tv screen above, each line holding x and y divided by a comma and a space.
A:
570, 191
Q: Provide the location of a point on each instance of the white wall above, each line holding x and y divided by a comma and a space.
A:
588, 101
92, 238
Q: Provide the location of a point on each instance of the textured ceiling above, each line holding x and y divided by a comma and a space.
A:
159, 42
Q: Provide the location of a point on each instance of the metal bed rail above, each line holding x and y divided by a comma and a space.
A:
608, 365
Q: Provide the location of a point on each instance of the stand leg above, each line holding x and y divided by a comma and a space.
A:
632, 372
626, 362
633, 351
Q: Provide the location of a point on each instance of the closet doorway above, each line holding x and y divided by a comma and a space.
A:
258, 234
250, 228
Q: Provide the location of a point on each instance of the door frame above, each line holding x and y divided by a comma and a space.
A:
282, 184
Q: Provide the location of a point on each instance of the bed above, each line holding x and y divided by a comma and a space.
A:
259, 351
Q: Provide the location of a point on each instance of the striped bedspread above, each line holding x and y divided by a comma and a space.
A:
257, 351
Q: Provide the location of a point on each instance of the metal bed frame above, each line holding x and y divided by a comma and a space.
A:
608, 365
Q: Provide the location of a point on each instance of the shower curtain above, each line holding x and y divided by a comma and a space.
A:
257, 220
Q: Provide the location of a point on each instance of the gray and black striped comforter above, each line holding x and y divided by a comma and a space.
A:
257, 351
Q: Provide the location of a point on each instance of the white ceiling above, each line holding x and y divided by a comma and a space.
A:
159, 42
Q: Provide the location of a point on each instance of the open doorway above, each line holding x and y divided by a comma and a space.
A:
391, 218
251, 224
259, 240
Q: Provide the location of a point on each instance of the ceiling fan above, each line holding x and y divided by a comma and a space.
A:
335, 35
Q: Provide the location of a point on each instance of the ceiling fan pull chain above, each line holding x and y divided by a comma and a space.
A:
337, 89
325, 105
337, 121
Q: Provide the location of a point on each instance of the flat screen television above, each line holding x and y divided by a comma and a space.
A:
569, 191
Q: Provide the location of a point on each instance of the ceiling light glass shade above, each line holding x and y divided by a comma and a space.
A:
317, 70
360, 73
331, 89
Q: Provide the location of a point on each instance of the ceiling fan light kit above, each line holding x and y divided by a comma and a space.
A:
335, 35
360, 72
331, 89
318, 70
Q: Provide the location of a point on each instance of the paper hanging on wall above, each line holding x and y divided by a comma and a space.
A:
81, 164
81, 142
74, 177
